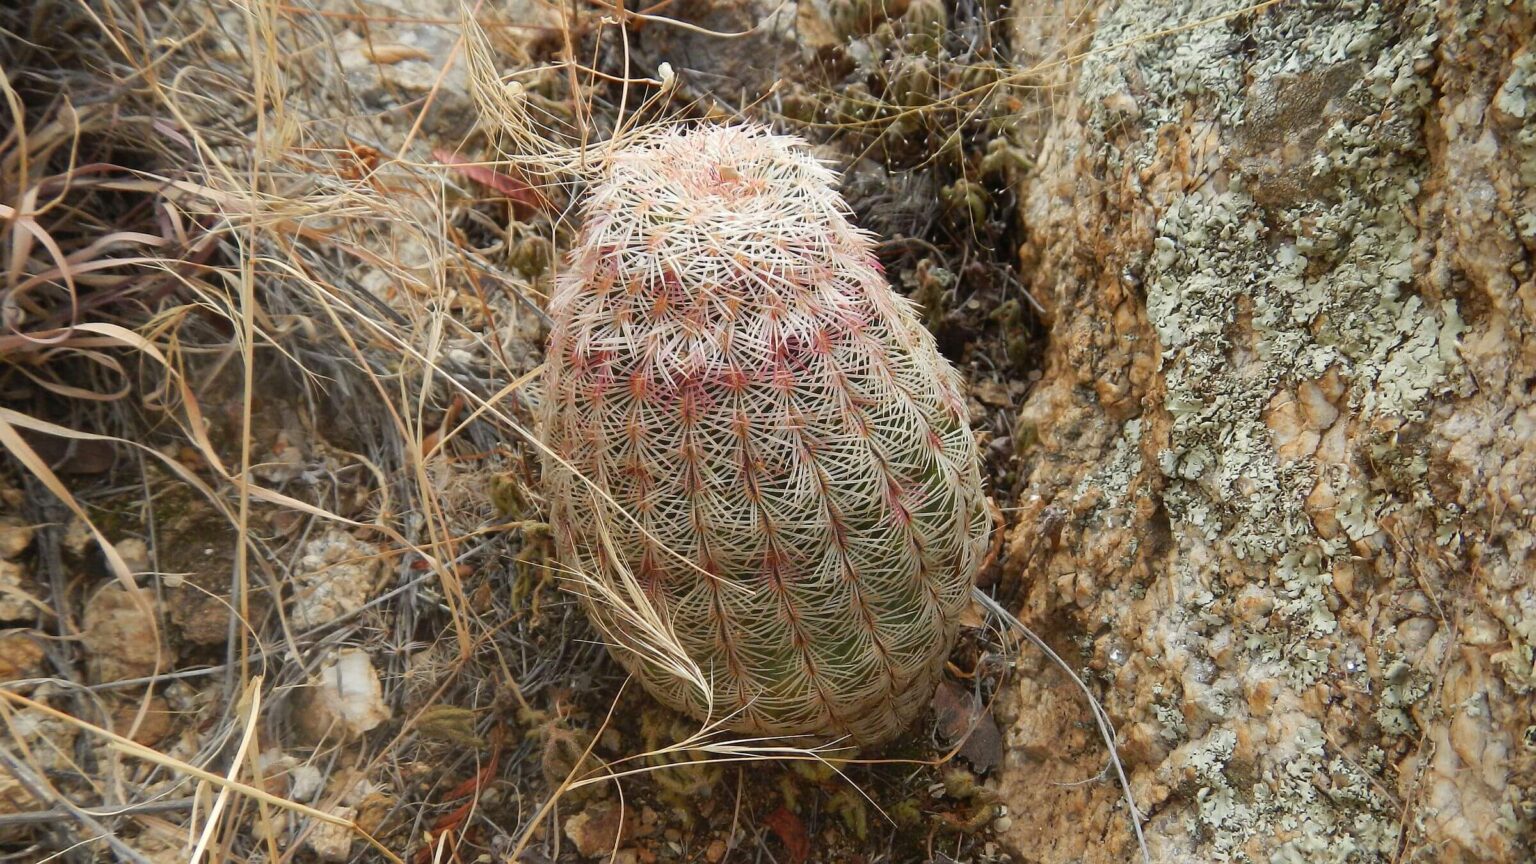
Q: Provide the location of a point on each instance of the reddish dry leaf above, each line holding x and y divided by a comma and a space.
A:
960, 716
435, 437
525, 199
791, 832
453, 820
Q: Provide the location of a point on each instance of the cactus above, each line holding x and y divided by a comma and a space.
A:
758, 462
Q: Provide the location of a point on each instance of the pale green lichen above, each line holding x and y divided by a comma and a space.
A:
1516, 98
1403, 685
1169, 717
1288, 803
1113, 479
1267, 276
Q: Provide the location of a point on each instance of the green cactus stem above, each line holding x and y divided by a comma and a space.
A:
762, 458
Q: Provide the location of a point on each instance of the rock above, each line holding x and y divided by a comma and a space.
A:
49, 743
199, 619
77, 537
598, 829
21, 655
135, 553
401, 60
120, 636
287, 459
1283, 411
992, 392
344, 702
15, 536
156, 723
289, 776
336, 576
18, 593
352, 786
305, 782
331, 842
274, 767
373, 809
962, 718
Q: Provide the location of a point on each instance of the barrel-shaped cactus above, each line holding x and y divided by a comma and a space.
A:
757, 454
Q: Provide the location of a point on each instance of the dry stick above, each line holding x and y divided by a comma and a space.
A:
1106, 729
39, 789
43, 817
132, 748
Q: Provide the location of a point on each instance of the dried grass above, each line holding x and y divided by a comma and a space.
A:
255, 242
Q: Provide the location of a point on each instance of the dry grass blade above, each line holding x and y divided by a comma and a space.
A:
17, 446
223, 783
252, 709
1100, 718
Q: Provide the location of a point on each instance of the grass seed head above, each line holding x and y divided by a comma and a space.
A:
766, 478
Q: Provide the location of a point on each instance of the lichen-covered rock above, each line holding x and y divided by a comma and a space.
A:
336, 575
1280, 499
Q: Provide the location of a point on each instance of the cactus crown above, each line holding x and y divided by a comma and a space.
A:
801, 509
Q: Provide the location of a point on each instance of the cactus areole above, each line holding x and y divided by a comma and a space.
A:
777, 478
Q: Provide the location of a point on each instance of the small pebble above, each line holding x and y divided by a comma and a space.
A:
15, 536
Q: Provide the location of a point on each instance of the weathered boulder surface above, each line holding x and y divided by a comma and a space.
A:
1284, 463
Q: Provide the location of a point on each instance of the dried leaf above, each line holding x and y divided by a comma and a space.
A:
791, 832
525, 199
962, 718
973, 617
